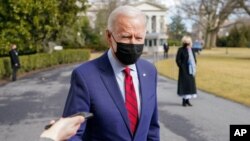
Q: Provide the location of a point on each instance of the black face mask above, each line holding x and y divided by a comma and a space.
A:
128, 54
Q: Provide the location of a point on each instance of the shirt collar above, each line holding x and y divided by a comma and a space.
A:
116, 65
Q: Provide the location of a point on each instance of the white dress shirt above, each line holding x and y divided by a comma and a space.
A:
120, 76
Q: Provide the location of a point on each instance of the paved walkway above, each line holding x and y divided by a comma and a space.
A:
207, 120
28, 104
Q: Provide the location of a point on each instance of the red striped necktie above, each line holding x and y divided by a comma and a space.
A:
131, 101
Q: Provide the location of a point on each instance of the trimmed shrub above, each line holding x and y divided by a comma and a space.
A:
43, 60
98, 47
174, 42
222, 42
5, 67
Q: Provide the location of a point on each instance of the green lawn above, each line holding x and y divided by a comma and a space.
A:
225, 75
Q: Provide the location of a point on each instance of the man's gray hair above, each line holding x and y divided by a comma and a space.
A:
127, 11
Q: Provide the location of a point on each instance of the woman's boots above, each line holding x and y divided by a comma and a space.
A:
185, 102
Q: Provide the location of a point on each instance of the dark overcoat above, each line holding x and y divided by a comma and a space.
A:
14, 59
186, 81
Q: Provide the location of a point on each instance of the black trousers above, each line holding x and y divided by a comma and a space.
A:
14, 72
165, 55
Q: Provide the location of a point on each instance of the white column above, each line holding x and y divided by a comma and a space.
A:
164, 24
157, 22
149, 26
161, 20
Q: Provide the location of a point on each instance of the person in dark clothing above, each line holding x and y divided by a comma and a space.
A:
165, 49
186, 62
15, 64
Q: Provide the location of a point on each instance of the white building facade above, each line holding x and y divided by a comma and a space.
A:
156, 24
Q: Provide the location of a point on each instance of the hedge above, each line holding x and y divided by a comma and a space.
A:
172, 42
43, 60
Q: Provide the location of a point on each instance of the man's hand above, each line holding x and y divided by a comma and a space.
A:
63, 129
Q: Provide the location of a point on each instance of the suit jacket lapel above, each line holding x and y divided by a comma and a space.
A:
108, 78
142, 76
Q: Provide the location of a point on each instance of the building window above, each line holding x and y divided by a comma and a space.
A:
162, 41
155, 42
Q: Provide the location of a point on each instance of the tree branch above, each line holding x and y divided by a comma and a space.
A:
244, 5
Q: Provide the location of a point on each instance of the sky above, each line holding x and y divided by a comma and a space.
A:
171, 5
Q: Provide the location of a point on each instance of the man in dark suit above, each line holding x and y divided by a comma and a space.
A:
118, 87
165, 48
15, 64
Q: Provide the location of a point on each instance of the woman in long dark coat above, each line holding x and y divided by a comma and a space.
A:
186, 62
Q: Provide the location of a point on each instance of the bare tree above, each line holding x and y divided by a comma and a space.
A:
211, 15
245, 4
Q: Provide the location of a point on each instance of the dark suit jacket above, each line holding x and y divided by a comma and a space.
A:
186, 82
14, 58
94, 89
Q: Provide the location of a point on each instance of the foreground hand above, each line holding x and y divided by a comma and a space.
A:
63, 129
